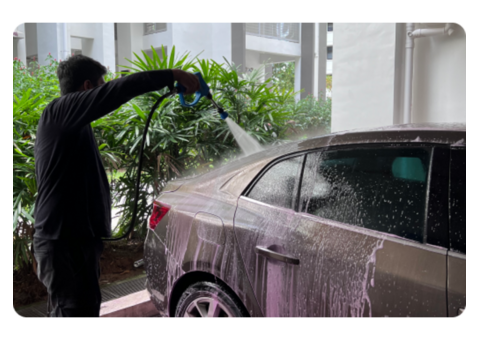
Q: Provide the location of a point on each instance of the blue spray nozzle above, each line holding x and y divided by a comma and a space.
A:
223, 115
203, 92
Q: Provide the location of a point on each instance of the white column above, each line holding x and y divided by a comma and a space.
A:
102, 46
321, 71
297, 86
64, 41
21, 51
47, 42
124, 45
129, 41
30, 40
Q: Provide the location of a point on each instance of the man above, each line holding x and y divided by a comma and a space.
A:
72, 211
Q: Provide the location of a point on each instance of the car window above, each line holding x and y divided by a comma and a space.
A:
382, 189
458, 200
279, 185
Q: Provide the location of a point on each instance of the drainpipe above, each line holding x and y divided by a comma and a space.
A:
412, 34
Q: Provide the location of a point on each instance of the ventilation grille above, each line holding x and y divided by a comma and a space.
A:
151, 28
280, 31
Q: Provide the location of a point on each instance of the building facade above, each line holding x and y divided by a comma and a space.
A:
249, 46
370, 80
370, 77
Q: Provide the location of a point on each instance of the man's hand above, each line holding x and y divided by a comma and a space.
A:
188, 80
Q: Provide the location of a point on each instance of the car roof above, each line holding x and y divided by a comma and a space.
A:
230, 179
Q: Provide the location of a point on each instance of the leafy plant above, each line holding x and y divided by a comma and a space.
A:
26, 114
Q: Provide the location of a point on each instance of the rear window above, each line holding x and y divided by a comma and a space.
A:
381, 189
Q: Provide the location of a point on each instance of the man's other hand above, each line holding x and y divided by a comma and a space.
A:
188, 80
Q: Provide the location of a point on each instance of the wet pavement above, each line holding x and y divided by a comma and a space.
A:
121, 299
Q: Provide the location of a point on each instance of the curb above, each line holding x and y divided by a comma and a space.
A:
133, 305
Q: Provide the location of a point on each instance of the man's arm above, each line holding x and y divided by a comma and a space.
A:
81, 108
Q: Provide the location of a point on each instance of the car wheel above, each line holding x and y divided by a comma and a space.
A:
207, 299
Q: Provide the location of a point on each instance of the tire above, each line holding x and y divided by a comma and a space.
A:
207, 299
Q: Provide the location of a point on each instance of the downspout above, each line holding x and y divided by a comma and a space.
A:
409, 46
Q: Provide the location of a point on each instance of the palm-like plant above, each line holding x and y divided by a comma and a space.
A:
26, 114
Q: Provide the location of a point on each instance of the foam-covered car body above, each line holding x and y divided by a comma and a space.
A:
359, 223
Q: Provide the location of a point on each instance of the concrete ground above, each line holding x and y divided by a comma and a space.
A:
128, 298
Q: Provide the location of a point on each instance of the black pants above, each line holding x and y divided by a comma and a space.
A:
70, 269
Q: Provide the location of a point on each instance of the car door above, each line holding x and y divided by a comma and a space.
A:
457, 250
264, 220
361, 237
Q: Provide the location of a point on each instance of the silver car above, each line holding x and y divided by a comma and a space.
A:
360, 223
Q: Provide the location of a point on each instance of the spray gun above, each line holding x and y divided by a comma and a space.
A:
203, 92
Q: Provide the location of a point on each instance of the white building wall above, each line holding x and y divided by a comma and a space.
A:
273, 46
439, 78
81, 30
76, 43
367, 91
363, 82
208, 41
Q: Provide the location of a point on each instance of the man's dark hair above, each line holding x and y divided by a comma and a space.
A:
73, 72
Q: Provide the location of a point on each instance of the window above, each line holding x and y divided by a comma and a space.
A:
382, 189
458, 200
150, 28
329, 52
330, 27
279, 185
280, 31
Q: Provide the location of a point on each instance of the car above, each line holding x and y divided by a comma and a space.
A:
364, 223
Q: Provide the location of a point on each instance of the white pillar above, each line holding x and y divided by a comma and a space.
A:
64, 41
297, 86
129, 41
320, 63
102, 46
47, 42
21, 51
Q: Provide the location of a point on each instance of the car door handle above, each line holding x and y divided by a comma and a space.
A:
276, 256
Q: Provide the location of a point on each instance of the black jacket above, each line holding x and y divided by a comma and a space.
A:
73, 192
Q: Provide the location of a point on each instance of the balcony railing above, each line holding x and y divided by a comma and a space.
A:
151, 28
280, 31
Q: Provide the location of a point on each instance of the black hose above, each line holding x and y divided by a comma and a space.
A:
139, 171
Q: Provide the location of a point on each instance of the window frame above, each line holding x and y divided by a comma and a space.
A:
430, 203
450, 227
